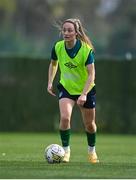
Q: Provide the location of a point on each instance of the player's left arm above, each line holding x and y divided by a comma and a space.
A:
90, 80
88, 85
91, 72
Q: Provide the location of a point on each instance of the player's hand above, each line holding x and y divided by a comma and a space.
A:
81, 100
50, 90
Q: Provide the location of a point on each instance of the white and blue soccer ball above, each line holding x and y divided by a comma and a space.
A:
54, 153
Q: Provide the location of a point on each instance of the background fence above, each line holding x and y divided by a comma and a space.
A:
25, 104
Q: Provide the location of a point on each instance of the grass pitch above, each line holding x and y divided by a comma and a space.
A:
22, 157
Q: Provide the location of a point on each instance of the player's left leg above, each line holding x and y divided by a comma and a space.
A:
88, 115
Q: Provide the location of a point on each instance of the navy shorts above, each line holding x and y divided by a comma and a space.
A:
91, 96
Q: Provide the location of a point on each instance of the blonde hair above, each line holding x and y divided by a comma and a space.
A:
81, 35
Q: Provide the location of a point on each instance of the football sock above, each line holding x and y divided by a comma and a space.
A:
91, 139
65, 137
66, 148
91, 149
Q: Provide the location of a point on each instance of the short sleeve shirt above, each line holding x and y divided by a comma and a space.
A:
73, 51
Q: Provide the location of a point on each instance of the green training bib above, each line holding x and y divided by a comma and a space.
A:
73, 72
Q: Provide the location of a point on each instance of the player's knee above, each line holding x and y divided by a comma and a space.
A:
64, 122
91, 127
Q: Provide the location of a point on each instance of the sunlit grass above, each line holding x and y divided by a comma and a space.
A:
22, 156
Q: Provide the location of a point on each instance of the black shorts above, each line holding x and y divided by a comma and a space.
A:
91, 96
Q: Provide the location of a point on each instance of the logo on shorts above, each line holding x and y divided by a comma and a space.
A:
93, 103
60, 94
70, 65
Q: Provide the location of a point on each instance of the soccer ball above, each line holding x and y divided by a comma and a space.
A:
54, 153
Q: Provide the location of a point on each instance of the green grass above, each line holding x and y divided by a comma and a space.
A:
24, 157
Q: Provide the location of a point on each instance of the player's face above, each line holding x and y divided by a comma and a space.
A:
68, 32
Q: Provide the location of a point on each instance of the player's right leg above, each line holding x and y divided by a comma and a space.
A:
66, 106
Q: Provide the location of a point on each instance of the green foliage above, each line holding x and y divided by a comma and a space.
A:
8, 6
109, 24
13, 44
24, 157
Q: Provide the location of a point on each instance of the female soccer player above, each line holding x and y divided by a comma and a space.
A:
75, 57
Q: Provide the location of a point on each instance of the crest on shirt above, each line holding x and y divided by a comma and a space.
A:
70, 65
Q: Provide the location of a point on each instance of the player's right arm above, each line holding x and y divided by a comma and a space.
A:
51, 75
